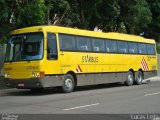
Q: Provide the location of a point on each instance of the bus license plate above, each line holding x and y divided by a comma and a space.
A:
20, 85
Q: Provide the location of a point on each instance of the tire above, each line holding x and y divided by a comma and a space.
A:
139, 78
68, 83
129, 79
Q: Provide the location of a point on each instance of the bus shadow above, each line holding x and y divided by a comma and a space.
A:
56, 91
99, 87
27, 92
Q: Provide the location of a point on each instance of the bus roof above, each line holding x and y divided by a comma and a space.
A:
75, 31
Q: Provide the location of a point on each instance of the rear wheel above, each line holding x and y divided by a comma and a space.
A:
129, 79
139, 78
68, 83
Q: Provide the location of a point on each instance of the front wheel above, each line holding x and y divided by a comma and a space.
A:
68, 83
129, 79
139, 78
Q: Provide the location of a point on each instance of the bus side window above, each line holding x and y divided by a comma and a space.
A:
122, 47
111, 46
51, 46
133, 47
67, 42
83, 43
142, 48
151, 49
98, 45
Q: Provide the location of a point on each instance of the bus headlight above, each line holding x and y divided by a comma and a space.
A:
38, 74
7, 75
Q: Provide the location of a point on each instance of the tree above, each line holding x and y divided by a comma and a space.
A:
57, 11
92, 13
5, 16
29, 13
20, 13
63, 13
108, 12
135, 15
154, 26
129, 16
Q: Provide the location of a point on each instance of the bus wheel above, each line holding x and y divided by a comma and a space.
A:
139, 78
68, 83
129, 79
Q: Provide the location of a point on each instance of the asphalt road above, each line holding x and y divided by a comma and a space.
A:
105, 99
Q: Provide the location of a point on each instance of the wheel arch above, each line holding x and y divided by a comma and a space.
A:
142, 72
132, 72
74, 76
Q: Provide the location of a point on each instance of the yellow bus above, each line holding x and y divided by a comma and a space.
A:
52, 56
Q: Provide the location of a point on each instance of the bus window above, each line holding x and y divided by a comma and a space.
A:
133, 47
122, 47
13, 52
32, 46
23, 47
111, 46
83, 43
17, 49
151, 49
52, 46
98, 45
142, 48
67, 42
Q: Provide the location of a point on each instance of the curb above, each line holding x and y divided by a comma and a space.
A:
152, 79
5, 91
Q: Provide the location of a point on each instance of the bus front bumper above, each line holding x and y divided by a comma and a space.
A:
45, 82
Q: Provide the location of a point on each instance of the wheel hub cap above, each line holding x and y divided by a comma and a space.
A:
130, 79
68, 84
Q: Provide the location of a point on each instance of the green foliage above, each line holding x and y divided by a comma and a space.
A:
5, 15
153, 29
106, 15
57, 11
127, 16
135, 14
30, 13
158, 48
20, 13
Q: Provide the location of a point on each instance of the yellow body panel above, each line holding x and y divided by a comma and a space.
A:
23, 70
74, 61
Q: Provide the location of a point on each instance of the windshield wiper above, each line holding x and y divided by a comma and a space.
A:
26, 59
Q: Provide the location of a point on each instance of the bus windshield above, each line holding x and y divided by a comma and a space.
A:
25, 47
